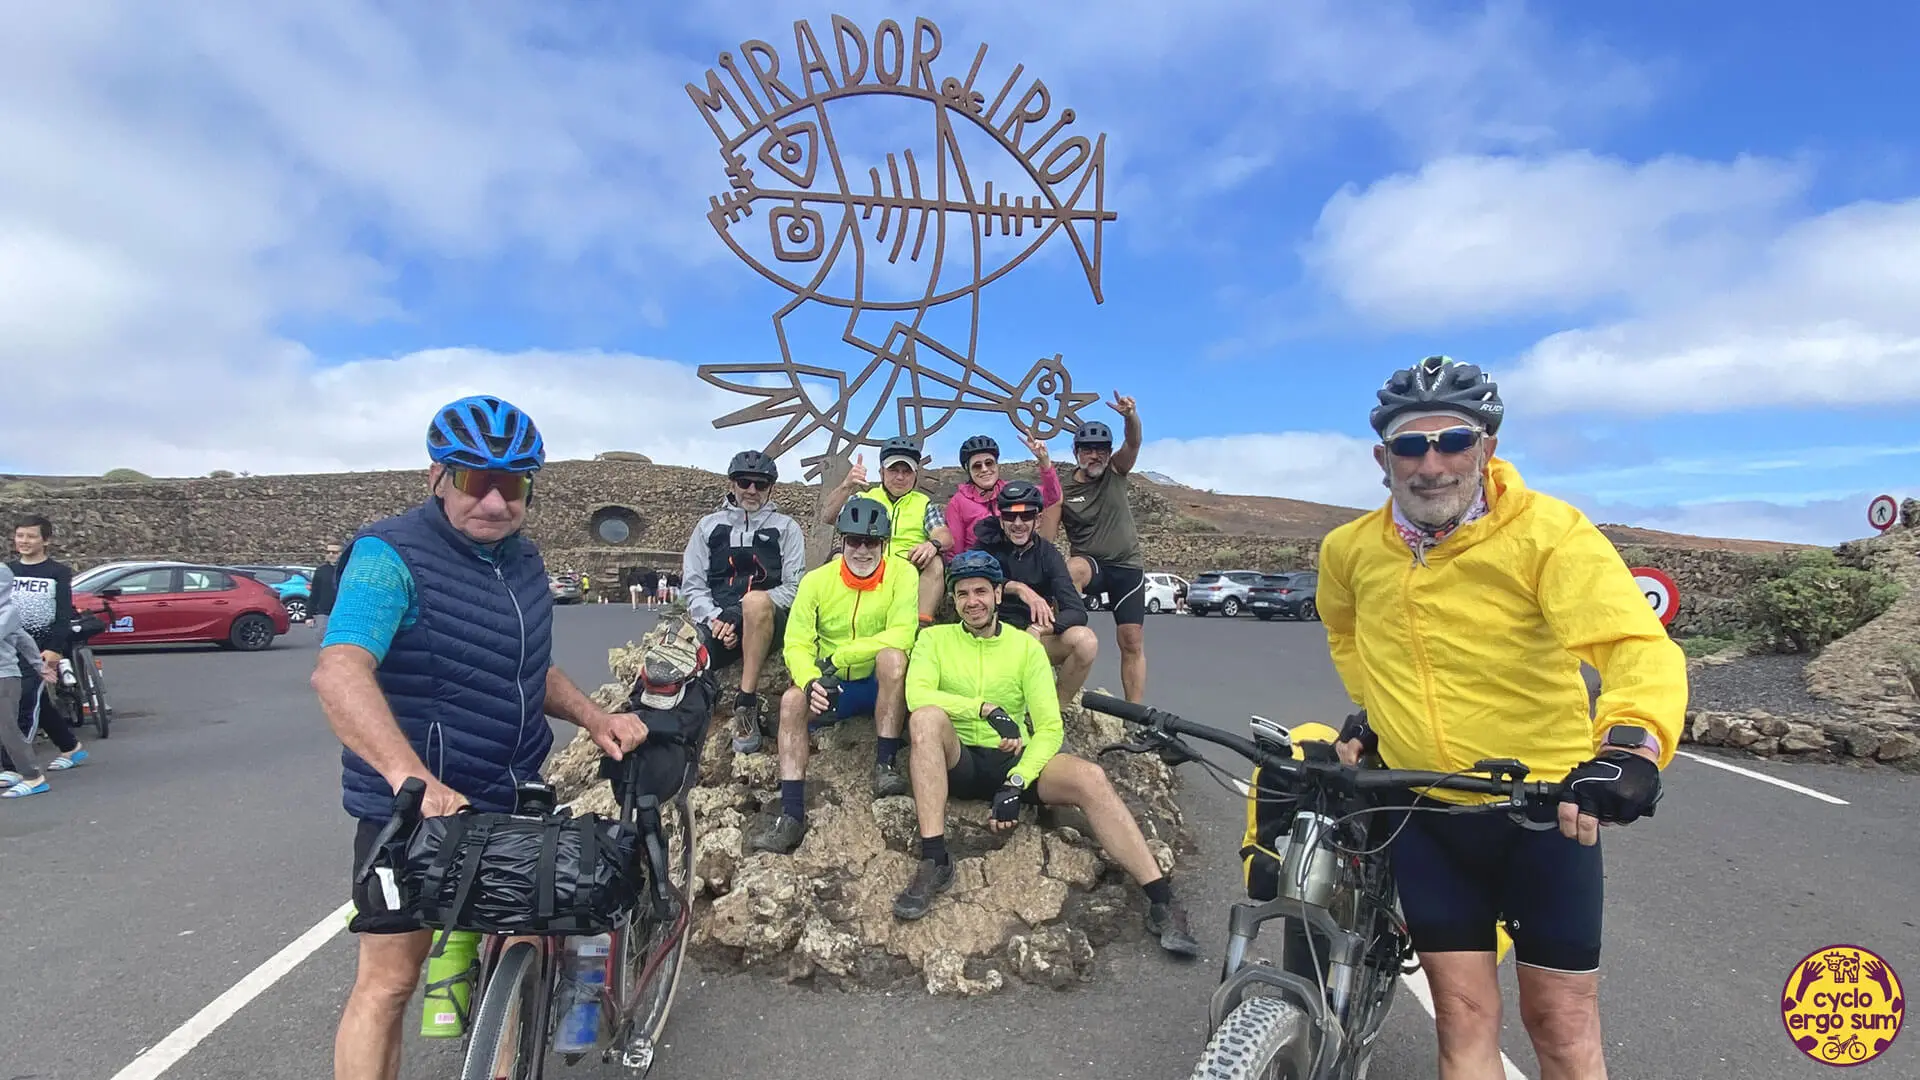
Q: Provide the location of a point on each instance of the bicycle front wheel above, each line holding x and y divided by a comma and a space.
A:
92, 695
508, 1037
1263, 1038
661, 946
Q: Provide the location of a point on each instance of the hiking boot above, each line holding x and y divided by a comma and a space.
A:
1168, 922
781, 837
889, 780
747, 737
930, 879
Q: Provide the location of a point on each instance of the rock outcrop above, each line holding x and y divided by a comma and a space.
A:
1876, 669
1033, 904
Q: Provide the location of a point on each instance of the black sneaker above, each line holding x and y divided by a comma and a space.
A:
889, 780
781, 837
929, 879
1168, 922
746, 727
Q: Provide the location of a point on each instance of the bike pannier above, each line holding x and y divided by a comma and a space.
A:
503, 873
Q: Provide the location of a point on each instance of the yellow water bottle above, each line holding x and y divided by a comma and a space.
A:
449, 986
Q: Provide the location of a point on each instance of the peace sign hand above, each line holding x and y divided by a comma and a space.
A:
1038, 448
1122, 405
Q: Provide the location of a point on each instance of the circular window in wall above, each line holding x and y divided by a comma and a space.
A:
614, 525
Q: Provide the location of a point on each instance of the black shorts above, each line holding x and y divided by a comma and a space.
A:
723, 655
369, 905
1125, 588
982, 771
1459, 873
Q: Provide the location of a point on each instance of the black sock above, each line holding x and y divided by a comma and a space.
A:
793, 799
886, 749
746, 697
1159, 891
935, 848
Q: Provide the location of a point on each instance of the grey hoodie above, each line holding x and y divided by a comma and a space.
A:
18, 653
693, 563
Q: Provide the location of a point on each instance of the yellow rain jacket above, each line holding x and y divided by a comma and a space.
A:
832, 618
958, 672
1477, 654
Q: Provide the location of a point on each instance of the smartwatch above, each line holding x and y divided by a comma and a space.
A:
1631, 737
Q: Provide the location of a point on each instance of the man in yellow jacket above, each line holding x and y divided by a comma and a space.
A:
1458, 616
920, 533
848, 636
986, 725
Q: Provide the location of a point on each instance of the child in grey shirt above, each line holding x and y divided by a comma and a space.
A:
19, 659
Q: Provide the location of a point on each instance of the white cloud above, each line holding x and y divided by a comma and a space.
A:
1824, 521
1315, 466
1472, 238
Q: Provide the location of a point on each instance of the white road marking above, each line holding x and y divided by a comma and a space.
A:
163, 1055
1417, 982
1762, 777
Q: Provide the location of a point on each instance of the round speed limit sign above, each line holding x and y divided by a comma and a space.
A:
1662, 594
1882, 512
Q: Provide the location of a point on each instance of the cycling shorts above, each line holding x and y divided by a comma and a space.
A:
371, 915
1125, 588
723, 655
1457, 874
858, 697
982, 771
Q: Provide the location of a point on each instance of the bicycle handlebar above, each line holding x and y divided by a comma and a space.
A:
1506, 781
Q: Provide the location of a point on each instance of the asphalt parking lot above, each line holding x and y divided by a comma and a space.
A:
207, 834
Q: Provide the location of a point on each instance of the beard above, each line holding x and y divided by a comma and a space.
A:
862, 561
1095, 469
1434, 505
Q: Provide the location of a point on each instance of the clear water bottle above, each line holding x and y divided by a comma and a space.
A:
67, 678
587, 968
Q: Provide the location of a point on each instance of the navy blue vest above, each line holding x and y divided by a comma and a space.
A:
468, 680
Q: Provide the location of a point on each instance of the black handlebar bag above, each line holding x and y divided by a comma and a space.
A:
516, 874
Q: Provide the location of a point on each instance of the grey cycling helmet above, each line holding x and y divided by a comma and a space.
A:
1439, 383
978, 444
900, 446
863, 517
753, 463
1092, 433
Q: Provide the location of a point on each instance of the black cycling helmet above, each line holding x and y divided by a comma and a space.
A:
1018, 495
901, 446
753, 463
1439, 383
972, 564
1092, 433
863, 517
978, 444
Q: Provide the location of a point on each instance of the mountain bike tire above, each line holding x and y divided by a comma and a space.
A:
93, 698
1263, 1038
508, 1038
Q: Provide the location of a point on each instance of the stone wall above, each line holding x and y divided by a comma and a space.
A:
275, 519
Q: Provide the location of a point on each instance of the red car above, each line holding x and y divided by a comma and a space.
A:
153, 603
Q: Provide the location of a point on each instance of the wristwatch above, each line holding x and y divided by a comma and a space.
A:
1015, 780
1631, 737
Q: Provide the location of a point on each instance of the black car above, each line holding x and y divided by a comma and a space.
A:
1288, 595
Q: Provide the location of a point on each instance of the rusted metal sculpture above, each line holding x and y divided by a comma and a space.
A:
816, 224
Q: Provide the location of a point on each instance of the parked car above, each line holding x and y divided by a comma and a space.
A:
1287, 595
1224, 591
156, 603
294, 587
1163, 590
565, 588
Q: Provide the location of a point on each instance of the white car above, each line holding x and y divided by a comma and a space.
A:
1162, 590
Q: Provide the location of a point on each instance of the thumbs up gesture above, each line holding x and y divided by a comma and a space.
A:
857, 475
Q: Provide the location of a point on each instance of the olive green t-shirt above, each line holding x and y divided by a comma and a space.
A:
1098, 518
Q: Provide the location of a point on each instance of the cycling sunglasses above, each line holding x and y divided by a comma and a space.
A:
1415, 444
754, 483
512, 486
1019, 514
863, 541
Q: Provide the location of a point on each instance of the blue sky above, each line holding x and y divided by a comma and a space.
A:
1686, 241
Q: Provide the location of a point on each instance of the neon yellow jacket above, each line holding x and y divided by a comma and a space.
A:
831, 619
1477, 654
951, 669
908, 517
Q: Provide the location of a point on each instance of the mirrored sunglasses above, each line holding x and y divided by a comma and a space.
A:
1415, 444
512, 486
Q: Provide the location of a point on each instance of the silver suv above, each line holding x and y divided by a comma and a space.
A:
1224, 591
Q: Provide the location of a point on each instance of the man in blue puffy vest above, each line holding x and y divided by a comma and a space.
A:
436, 664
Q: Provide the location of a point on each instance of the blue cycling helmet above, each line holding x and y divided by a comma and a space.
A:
484, 432
972, 564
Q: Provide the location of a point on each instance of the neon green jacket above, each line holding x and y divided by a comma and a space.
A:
953, 670
908, 517
831, 618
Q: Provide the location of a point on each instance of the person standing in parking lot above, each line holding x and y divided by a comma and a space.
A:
437, 665
326, 580
43, 595
21, 672
1106, 546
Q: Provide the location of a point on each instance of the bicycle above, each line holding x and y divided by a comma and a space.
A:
518, 979
1317, 1013
80, 692
1852, 1048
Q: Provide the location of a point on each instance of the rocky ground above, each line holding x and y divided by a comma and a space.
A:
1033, 904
